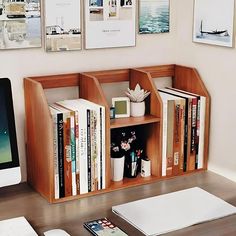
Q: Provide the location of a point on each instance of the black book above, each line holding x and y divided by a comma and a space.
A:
60, 136
89, 151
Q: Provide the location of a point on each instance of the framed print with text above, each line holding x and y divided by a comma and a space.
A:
213, 22
20, 24
109, 23
154, 16
63, 25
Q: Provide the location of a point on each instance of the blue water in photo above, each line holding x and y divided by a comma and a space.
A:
154, 16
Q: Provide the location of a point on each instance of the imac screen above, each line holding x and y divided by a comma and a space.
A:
5, 147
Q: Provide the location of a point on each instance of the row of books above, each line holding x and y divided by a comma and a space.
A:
183, 131
79, 147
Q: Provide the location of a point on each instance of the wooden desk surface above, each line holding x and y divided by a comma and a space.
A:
21, 200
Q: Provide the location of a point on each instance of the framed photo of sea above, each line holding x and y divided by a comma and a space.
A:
63, 25
214, 22
20, 24
154, 16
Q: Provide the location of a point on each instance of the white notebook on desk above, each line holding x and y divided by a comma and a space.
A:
16, 226
173, 211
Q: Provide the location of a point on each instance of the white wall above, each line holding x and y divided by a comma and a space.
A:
17, 64
217, 67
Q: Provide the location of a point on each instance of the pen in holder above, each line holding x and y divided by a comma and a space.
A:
131, 165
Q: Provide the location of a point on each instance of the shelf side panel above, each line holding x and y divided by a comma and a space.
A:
91, 90
188, 79
154, 142
39, 140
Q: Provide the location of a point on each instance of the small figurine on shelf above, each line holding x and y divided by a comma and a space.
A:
137, 97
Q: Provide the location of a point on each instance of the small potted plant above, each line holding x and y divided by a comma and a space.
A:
137, 97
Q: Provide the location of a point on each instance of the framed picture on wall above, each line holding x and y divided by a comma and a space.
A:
63, 25
109, 23
154, 16
213, 22
20, 24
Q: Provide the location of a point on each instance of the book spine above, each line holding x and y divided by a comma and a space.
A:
192, 130
73, 153
182, 131
186, 114
201, 133
103, 145
93, 152
170, 137
164, 138
77, 151
89, 151
67, 155
197, 130
83, 160
55, 153
177, 138
60, 135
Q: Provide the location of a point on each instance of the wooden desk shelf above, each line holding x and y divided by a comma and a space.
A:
39, 124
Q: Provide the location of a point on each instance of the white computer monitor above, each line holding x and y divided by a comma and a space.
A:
9, 160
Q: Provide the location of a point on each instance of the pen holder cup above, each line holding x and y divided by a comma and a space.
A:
131, 166
117, 168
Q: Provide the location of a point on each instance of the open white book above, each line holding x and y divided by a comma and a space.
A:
173, 211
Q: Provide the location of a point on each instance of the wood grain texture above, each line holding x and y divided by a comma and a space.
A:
39, 140
132, 121
58, 81
110, 76
21, 200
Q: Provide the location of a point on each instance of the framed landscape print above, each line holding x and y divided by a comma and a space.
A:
154, 16
63, 25
213, 22
20, 24
109, 23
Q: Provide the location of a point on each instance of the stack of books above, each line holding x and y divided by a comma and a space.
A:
79, 147
183, 131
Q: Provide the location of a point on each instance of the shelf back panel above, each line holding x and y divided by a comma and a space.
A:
58, 81
111, 76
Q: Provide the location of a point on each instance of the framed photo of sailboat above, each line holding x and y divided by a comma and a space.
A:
214, 22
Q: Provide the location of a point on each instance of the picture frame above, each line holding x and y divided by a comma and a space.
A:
110, 23
20, 24
214, 22
62, 25
154, 16
122, 107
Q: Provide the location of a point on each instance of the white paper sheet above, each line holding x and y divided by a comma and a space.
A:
16, 226
173, 211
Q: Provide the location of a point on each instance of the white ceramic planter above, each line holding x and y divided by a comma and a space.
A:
137, 109
117, 168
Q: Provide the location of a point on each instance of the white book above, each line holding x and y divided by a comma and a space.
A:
165, 98
54, 113
83, 161
100, 110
